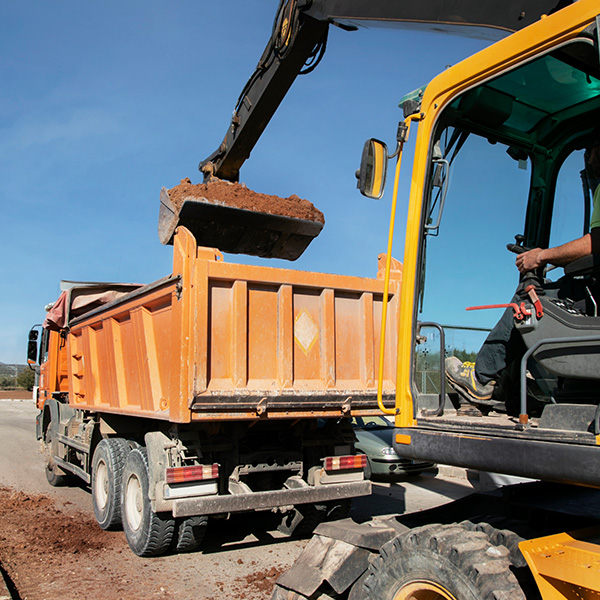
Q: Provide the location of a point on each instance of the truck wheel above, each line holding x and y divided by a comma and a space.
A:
189, 534
107, 471
442, 562
148, 533
338, 509
54, 474
302, 520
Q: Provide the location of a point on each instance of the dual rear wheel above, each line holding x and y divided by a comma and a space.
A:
120, 496
107, 470
148, 533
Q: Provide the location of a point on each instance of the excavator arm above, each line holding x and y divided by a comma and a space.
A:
299, 38
297, 44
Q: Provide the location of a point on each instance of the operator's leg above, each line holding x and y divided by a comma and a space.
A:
477, 380
497, 368
502, 345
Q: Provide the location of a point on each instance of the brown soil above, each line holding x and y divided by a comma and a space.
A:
238, 195
49, 553
15, 395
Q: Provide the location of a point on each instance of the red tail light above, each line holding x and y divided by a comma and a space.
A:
337, 463
196, 473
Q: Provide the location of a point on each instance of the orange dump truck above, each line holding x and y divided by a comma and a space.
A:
220, 388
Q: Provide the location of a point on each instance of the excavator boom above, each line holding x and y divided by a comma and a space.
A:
297, 44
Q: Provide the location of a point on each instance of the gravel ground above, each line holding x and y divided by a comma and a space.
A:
51, 546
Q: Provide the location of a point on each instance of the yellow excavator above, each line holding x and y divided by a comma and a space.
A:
500, 144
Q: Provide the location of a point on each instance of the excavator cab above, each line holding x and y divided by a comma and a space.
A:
505, 159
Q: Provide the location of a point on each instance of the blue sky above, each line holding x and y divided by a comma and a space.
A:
104, 103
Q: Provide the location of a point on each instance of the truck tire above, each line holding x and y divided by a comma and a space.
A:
338, 509
442, 562
148, 533
189, 534
107, 472
54, 474
302, 520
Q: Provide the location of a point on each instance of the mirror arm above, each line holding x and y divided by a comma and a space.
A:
401, 138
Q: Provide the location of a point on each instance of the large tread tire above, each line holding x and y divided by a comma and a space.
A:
442, 562
55, 476
148, 533
189, 534
510, 540
107, 473
302, 520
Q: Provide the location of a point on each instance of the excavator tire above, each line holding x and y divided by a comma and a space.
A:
442, 562
510, 540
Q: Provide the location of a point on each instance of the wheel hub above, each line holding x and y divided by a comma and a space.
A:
101, 484
134, 502
423, 590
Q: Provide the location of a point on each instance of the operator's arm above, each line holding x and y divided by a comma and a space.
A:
559, 255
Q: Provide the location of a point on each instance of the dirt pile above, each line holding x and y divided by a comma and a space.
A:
50, 553
238, 195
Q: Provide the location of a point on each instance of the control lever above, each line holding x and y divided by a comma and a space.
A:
520, 311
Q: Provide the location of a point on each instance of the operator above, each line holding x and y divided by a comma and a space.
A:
477, 381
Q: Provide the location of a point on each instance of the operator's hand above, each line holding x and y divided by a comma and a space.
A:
530, 260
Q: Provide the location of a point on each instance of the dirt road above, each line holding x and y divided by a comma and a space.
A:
51, 546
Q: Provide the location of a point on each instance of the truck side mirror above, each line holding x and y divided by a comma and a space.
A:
32, 347
373, 169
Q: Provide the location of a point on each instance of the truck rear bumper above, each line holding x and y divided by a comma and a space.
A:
188, 507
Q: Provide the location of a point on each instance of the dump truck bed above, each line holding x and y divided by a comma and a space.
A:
224, 341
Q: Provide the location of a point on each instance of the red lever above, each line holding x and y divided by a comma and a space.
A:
539, 311
520, 311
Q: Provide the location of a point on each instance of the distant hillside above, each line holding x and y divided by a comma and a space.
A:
9, 370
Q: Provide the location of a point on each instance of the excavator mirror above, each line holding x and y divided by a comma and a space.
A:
373, 169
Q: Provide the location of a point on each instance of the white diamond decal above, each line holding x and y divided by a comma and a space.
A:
306, 331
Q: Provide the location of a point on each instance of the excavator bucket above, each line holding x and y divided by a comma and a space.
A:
234, 219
